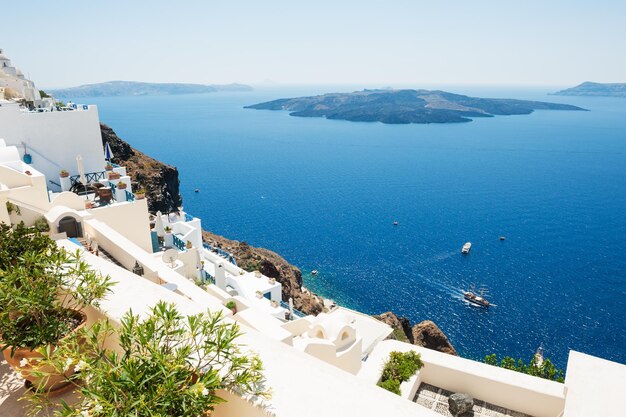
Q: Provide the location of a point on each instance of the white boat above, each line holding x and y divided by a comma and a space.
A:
466, 248
314, 272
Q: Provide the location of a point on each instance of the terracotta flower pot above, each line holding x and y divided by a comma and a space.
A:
23, 360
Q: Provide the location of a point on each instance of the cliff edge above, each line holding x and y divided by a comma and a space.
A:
426, 333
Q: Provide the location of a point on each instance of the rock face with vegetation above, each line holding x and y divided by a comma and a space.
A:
426, 334
272, 265
405, 106
158, 179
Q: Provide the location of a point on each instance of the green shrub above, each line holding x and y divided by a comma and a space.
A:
400, 367
169, 365
41, 225
391, 385
231, 304
545, 370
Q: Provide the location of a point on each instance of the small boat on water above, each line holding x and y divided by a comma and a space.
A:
395, 223
196, 190
314, 272
466, 248
477, 299
502, 238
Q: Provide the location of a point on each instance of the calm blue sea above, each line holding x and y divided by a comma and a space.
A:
324, 194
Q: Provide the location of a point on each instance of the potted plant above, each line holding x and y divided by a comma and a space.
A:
140, 194
171, 365
272, 281
257, 274
108, 167
168, 239
114, 175
121, 185
42, 293
64, 173
259, 294
188, 244
274, 303
232, 305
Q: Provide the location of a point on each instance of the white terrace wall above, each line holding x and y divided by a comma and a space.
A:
128, 219
502, 387
54, 139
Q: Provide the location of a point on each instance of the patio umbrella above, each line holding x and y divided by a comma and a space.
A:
81, 173
199, 264
108, 154
158, 225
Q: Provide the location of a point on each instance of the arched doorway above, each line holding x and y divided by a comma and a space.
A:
71, 227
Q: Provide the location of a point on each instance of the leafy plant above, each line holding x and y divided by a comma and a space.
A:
231, 304
545, 369
392, 385
13, 208
41, 285
168, 365
41, 225
15, 243
43, 94
400, 367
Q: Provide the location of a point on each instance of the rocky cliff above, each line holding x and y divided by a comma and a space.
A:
158, 179
426, 333
272, 265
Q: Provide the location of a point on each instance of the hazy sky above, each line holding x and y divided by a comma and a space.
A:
65, 43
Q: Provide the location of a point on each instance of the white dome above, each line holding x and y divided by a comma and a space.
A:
3, 58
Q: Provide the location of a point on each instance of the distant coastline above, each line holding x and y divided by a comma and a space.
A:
405, 106
590, 89
135, 88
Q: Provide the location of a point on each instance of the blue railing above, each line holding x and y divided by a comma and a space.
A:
178, 242
90, 177
208, 277
220, 252
295, 312
130, 196
188, 217
113, 187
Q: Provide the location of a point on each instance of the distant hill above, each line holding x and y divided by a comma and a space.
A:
405, 106
595, 89
134, 88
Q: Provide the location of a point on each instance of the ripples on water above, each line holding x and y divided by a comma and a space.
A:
324, 194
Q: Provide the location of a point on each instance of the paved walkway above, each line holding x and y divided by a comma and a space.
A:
436, 399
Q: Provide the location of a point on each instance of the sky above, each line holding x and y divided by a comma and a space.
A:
386, 43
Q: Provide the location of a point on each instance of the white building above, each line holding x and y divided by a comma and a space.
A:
324, 365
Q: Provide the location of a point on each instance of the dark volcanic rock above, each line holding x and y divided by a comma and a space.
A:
459, 403
272, 265
425, 334
401, 326
405, 106
159, 180
429, 335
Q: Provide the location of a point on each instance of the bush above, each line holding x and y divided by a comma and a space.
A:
392, 385
400, 367
545, 370
169, 365
14, 243
41, 225
231, 305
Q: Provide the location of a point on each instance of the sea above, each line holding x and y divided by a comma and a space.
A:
325, 195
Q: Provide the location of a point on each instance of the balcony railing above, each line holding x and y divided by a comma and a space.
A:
89, 177
188, 217
220, 252
208, 277
178, 242
297, 313
130, 196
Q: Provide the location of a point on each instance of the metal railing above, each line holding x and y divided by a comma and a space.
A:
130, 196
208, 277
188, 217
90, 177
178, 242
220, 252
295, 312
113, 188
